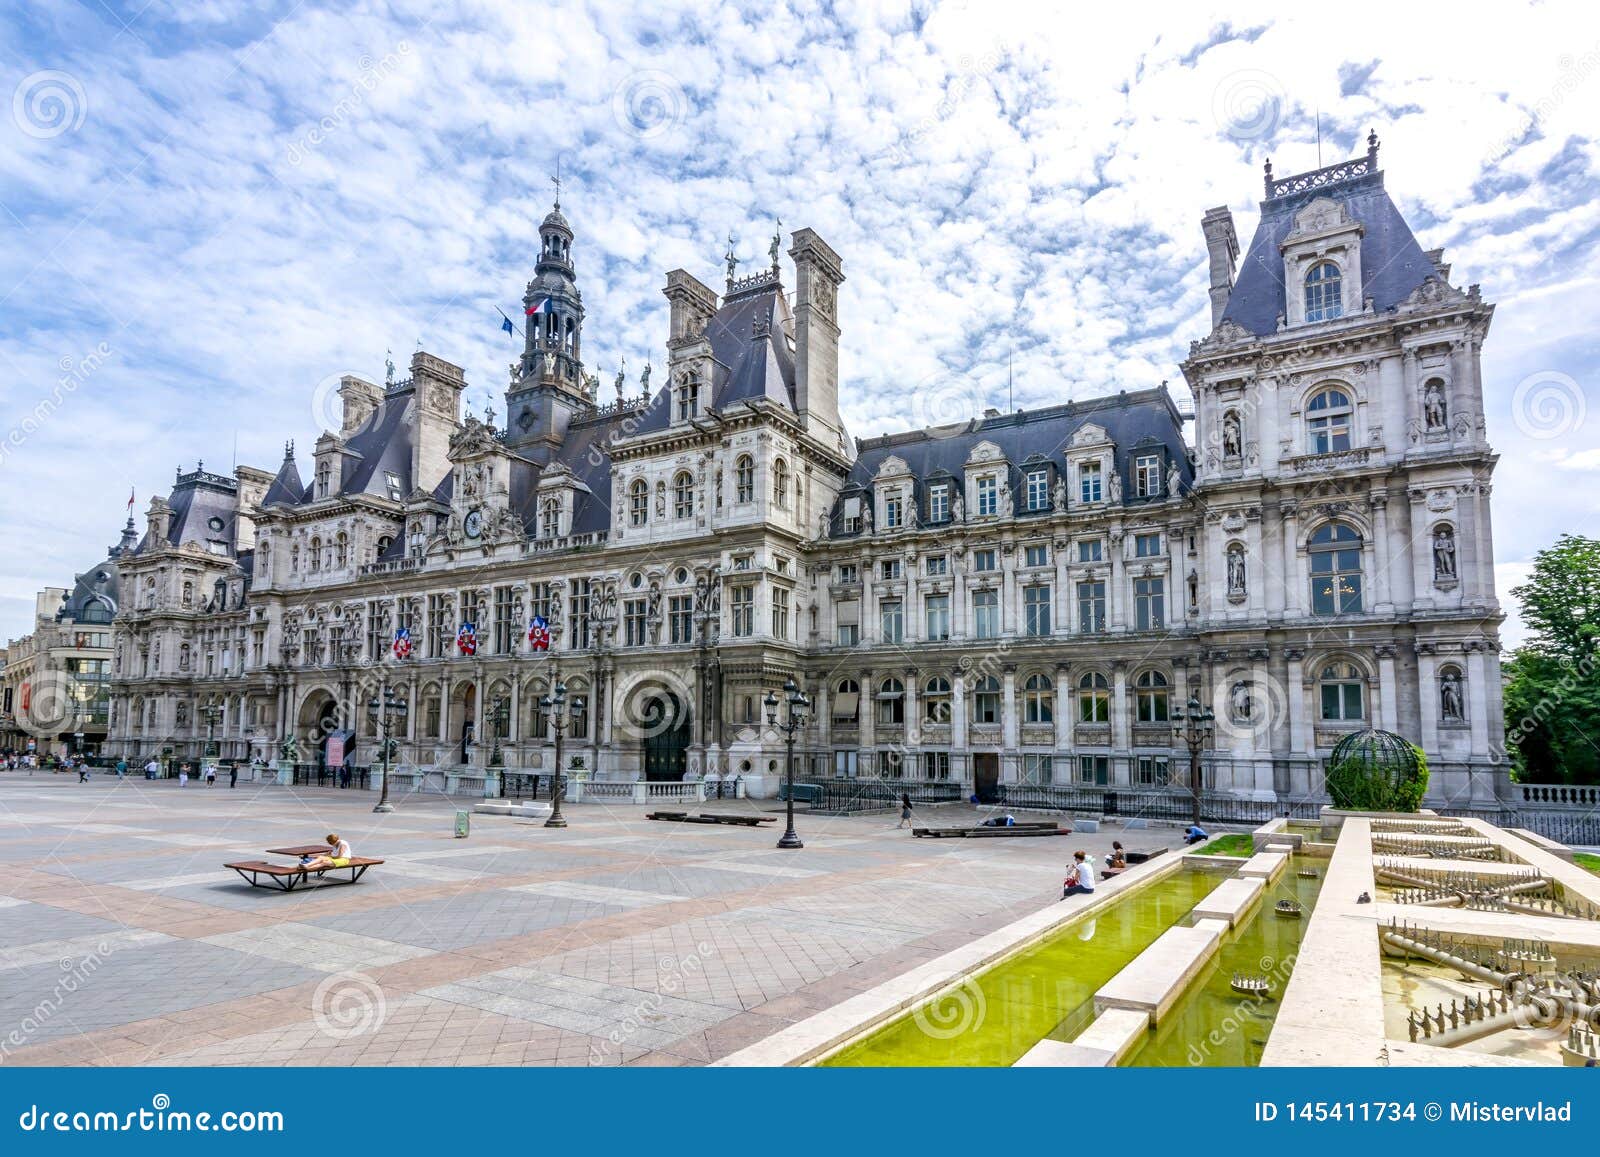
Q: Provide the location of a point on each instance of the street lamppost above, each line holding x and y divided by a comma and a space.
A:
1192, 726
383, 709
601, 627
799, 712
211, 713
555, 709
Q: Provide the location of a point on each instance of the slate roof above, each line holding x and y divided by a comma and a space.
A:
96, 593
1141, 422
197, 500
1392, 263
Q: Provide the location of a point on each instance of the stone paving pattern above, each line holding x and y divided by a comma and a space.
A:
618, 940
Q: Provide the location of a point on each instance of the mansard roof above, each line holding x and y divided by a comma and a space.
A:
1393, 265
1142, 419
197, 500
287, 488
383, 444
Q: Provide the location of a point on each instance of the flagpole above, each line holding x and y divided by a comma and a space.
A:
511, 323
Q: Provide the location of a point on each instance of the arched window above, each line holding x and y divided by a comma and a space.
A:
1342, 690
1324, 296
1150, 691
891, 701
1094, 699
744, 479
780, 484
986, 700
683, 495
846, 701
324, 477
1335, 556
341, 549
688, 397
550, 518
638, 502
936, 700
314, 555
1328, 421
1038, 699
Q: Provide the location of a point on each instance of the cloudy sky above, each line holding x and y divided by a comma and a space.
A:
213, 208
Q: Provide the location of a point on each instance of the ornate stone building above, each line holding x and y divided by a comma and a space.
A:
1022, 600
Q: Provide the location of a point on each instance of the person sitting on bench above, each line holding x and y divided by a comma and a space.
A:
1195, 834
1080, 877
338, 856
1118, 859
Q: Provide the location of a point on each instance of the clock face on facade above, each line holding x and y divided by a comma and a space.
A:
473, 524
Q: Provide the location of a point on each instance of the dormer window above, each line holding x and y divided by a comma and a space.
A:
893, 512
688, 398
392, 481
1038, 489
1089, 482
939, 502
988, 495
1328, 421
1324, 295
324, 477
550, 518
1147, 475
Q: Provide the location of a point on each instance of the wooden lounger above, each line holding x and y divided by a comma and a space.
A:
710, 818
286, 877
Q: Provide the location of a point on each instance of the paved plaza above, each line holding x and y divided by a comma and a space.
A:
615, 941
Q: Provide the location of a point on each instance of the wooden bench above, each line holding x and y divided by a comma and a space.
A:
1030, 829
1142, 857
710, 818
286, 877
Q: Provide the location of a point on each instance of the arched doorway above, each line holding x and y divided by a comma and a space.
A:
463, 717
664, 722
319, 718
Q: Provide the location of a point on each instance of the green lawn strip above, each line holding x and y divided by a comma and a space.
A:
1237, 844
1587, 860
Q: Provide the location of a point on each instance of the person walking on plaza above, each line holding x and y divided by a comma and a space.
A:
211, 775
83, 770
183, 775
122, 768
233, 775
151, 768
905, 809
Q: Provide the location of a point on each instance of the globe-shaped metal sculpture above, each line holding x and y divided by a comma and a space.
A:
1375, 770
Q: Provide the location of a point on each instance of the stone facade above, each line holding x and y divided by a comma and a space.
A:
1021, 599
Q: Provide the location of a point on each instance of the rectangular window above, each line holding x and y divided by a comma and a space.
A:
578, 611
503, 626
1090, 550
935, 765
892, 621
936, 565
1036, 770
938, 616
538, 601
1038, 496
893, 512
847, 622
891, 763
1091, 607
1153, 771
680, 618
780, 613
889, 569
743, 602
1037, 555
1146, 545
847, 634
1094, 770
1149, 604
939, 503
1089, 481
1147, 475
988, 495
392, 484
984, 560
378, 636
1036, 606
846, 764
1341, 701
848, 573
986, 614
633, 622
437, 630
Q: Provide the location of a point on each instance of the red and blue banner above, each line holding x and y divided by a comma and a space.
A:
539, 634
467, 639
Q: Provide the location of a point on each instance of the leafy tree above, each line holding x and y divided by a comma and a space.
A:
1552, 682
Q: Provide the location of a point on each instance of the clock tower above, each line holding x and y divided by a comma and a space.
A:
547, 383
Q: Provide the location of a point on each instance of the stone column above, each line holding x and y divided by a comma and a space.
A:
1295, 692
1428, 697
1063, 707
1294, 583
824, 716
1382, 594
958, 725
1478, 699
913, 713
1118, 599
1388, 714
869, 722
1121, 725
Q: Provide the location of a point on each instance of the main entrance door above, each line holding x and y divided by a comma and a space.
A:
986, 776
666, 738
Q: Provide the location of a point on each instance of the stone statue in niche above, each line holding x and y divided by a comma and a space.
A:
1005, 498
1239, 702
957, 509
1232, 436
1444, 553
1236, 573
661, 499
1061, 496
1115, 487
866, 518
1194, 591
1451, 705
1174, 480
1433, 406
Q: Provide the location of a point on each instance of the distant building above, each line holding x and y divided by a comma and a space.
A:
1018, 602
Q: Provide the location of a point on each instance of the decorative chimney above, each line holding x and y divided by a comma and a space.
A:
1222, 247
819, 272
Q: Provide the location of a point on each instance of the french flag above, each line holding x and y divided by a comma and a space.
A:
544, 305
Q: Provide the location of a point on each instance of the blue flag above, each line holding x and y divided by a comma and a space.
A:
505, 323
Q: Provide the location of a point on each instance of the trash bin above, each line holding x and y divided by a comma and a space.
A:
463, 824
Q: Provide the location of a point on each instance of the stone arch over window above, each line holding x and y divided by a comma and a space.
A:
1038, 699
1333, 552
744, 479
1152, 697
936, 700
683, 495
1342, 690
314, 557
1330, 419
846, 704
341, 549
1324, 291
780, 484
1094, 698
638, 502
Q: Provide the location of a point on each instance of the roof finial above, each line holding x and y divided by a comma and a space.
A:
288, 449
556, 181
1372, 146
388, 367
733, 262
1266, 170
777, 241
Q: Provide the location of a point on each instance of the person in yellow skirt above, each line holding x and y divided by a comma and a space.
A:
338, 855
